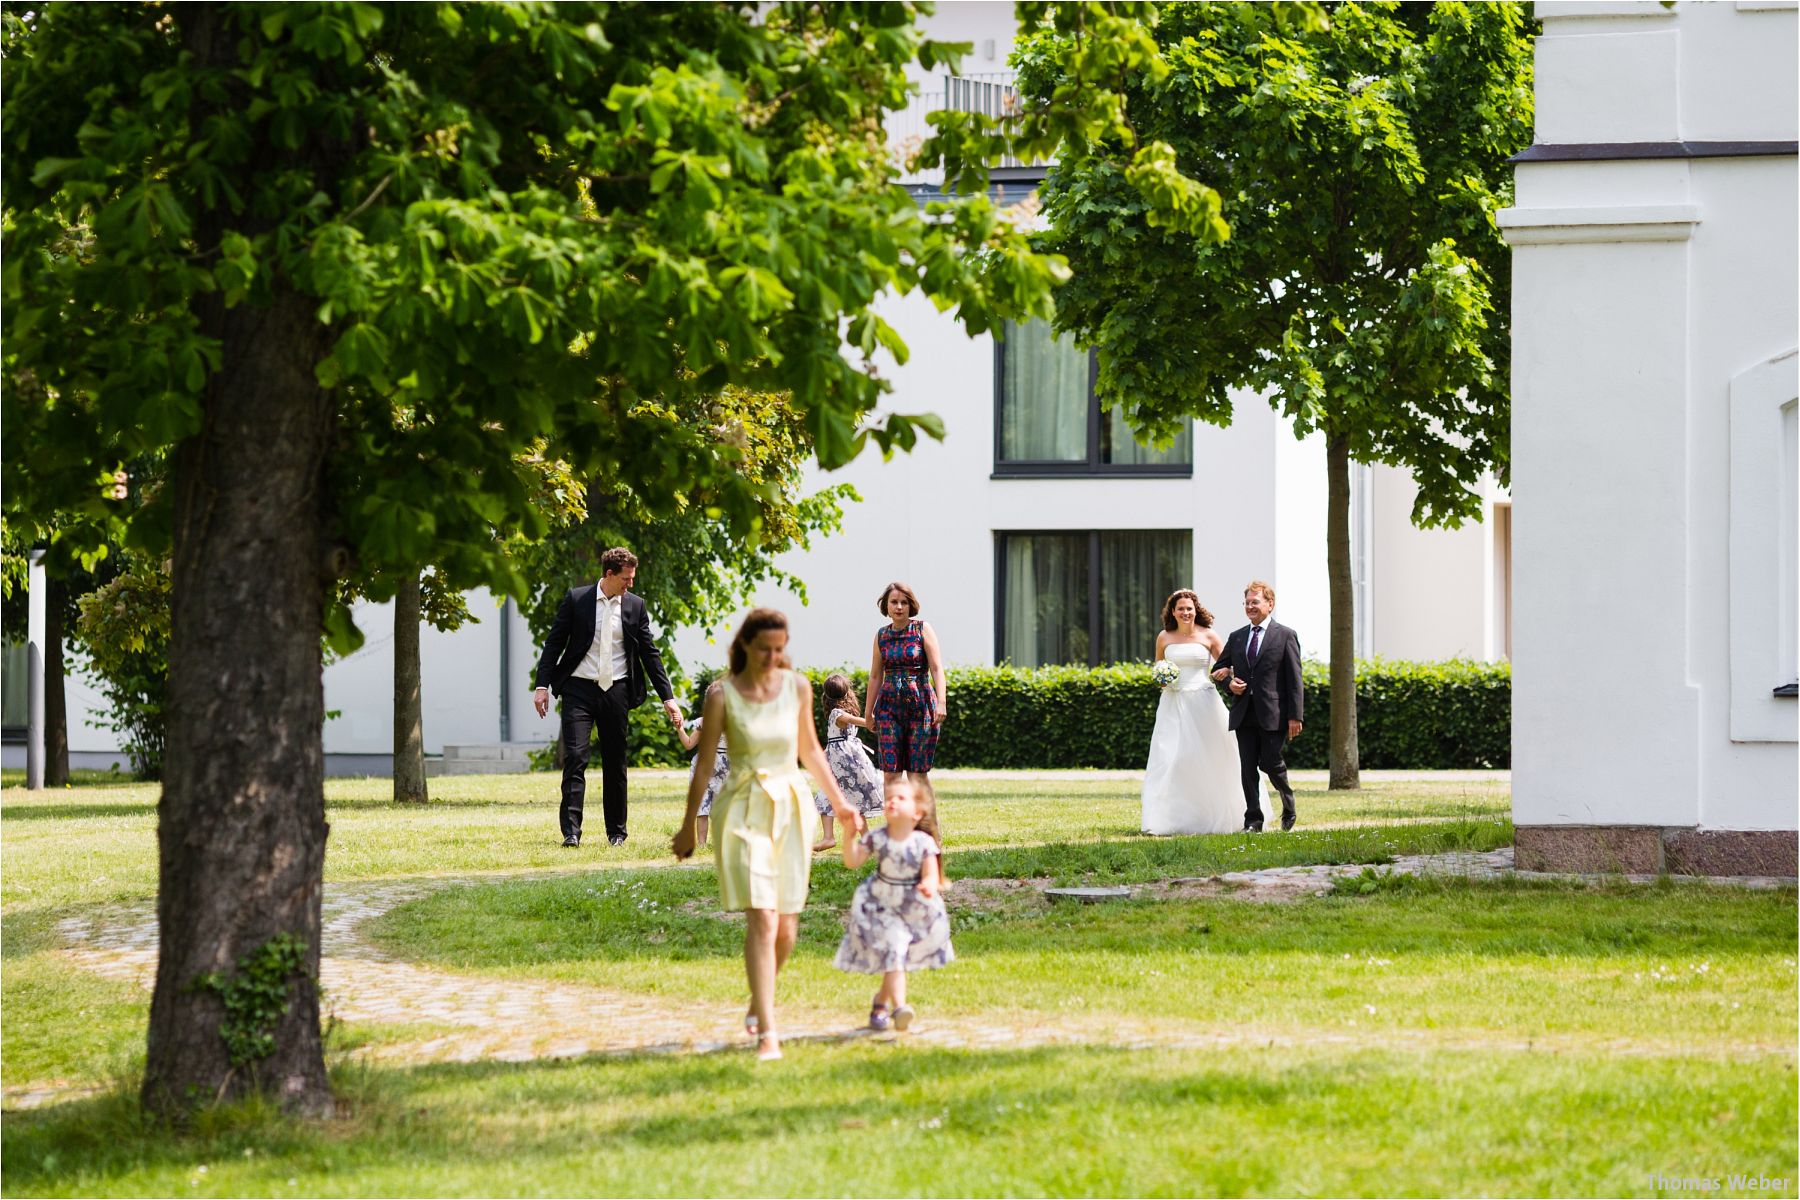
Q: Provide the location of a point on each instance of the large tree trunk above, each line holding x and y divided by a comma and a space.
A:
1342, 750
409, 724
241, 823
56, 708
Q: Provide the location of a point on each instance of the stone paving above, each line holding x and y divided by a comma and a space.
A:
474, 1017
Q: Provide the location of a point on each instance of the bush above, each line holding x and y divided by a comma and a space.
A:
1410, 715
125, 627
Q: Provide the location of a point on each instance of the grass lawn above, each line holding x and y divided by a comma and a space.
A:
1422, 1037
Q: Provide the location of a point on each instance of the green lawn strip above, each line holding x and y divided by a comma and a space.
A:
1709, 968
482, 824
879, 1119
69, 1026
66, 1025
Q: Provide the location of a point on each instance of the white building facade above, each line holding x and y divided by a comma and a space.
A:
1036, 532
1655, 441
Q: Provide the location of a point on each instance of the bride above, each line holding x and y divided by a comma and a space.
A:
1192, 783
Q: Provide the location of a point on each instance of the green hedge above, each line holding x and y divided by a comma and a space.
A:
1410, 716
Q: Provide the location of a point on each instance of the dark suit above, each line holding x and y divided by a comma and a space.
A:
1259, 717
588, 709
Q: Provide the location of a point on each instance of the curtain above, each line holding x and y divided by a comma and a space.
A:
1138, 570
1046, 609
1044, 396
1119, 445
15, 684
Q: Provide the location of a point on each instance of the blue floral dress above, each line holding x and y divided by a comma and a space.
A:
892, 927
721, 768
856, 776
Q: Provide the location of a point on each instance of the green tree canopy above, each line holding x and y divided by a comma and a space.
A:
1363, 287
349, 266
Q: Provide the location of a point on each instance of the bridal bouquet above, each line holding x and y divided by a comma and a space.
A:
1164, 673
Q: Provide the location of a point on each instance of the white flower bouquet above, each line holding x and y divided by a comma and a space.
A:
1164, 673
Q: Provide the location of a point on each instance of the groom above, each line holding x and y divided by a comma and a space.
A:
1262, 660
596, 657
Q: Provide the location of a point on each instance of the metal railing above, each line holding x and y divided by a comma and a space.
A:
991, 93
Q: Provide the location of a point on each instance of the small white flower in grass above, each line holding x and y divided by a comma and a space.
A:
292, 1182
934, 1123
1369, 1008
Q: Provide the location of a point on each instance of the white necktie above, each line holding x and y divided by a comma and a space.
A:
606, 657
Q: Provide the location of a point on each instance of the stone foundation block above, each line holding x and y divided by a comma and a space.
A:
1655, 850
1731, 852
1589, 849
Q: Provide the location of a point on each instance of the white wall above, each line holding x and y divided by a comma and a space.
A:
459, 685
1254, 503
987, 24
1642, 289
1432, 589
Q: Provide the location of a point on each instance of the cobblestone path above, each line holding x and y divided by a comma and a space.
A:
473, 1017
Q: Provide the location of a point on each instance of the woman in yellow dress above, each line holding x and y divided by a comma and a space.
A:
764, 814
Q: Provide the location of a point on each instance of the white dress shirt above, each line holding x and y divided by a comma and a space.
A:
604, 661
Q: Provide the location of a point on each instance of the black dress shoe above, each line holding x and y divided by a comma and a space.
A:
574, 839
617, 839
1287, 823
1252, 826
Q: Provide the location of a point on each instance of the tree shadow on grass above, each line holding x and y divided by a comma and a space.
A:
86, 809
470, 1116
659, 915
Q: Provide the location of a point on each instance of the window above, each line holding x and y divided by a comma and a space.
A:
1085, 597
15, 684
1049, 422
1765, 603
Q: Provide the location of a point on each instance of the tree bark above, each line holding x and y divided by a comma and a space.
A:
1342, 752
409, 725
241, 823
56, 708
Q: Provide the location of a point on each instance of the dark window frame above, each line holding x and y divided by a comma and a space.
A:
1093, 588
1093, 466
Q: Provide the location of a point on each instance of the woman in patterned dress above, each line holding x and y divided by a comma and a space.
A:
906, 687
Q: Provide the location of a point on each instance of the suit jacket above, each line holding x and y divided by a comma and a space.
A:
573, 635
1276, 695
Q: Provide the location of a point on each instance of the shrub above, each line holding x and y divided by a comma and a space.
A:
1410, 715
125, 627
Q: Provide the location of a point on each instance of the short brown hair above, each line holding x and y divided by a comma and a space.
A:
1257, 585
614, 561
912, 598
1202, 617
757, 621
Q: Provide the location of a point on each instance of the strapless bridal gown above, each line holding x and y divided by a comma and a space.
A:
1192, 783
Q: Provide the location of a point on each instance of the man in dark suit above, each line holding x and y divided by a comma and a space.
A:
596, 658
1262, 660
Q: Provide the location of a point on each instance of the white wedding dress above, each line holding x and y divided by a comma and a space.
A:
1192, 783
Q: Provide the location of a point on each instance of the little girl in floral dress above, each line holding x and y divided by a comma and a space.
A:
850, 764
690, 737
898, 922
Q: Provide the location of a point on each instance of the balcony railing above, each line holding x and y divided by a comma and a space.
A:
991, 93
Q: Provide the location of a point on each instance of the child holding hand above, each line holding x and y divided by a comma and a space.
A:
849, 759
898, 922
689, 733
